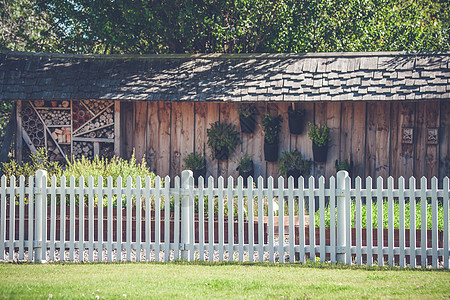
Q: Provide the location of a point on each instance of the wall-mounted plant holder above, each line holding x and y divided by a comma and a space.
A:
432, 136
407, 135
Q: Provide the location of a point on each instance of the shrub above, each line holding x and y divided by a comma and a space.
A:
319, 135
272, 127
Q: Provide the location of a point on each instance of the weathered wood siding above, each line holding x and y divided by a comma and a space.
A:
367, 133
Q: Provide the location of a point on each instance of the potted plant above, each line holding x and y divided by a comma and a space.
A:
197, 164
293, 164
272, 126
222, 139
344, 166
296, 120
247, 117
320, 136
245, 167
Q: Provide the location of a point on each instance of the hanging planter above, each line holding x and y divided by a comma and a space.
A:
197, 164
320, 136
246, 168
272, 126
247, 118
293, 164
222, 139
296, 120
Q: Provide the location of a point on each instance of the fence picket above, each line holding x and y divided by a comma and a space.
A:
270, 202
380, 246
369, 231
390, 221
332, 219
91, 218
281, 218
100, 219
12, 216
148, 218
241, 218
446, 200
210, 218
81, 205
412, 222
201, 218
119, 219
401, 235
138, 217
109, 218
62, 220
30, 192
157, 217
434, 222
423, 222
348, 220
312, 226
291, 219
301, 218
52, 217
260, 219
21, 191
230, 200
358, 221
251, 220
176, 234
192, 219
221, 217
72, 218
3, 217
322, 217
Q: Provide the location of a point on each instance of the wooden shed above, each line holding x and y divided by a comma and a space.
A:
388, 112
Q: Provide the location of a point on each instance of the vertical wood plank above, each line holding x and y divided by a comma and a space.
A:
241, 218
346, 132
369, 230
333, 122
109, 218
312, 225
285, 136
140, 126
100, 219
212, 115
291, 220
420, 142
187, 132
176, 234
446, 185
19, 137
201, 218
390, 221
301, 217
91, 218
272, 167
423, 221
21, 192
230, 200
412, 222
72, 219
62, 224
434, 222
270, 201
210, 219
138, 193
117, 136
251, 220
348, 221
119, 219
333, 219
302, 142
221, 218
30, 217
81, 206
320, 118
358, 221
52, 217
371, 142
432, 150
12, 218
176, 139
127, 129
255, 144
281, 218
260, 219
224, 117
444, 140
157, 217
129, 225
166, 219
322, 217
148, 218
233, 118
402, 216
3, 217
380, 221
358, 134
383, 139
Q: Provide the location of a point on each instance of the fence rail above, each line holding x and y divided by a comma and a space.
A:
146, 219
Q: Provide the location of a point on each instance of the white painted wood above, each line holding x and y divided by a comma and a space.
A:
401, 235
176, 235
12, 216
390, 221
52, 217
41, 216
62, 220
380, 221
301, 217
191, 219
412, 221
322, 217
341, 216
434, 222
260, 200
369, 229
138, 217
109, 219
251, 219
148, 217
157, 217
281, 218
201, 218
100, 219
90, 194
210, 219
241, 218
230, 200
129, 224
271, 222
312, 225
3, 217
81, 206
446, 199
291, 219
166, 218
221, 218
348, 221
119, 219
72, 218
423, 222
358, 221
332, 219
30, 192
21, 192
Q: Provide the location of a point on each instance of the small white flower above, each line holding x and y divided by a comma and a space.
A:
97, 297
50, 296
124, 295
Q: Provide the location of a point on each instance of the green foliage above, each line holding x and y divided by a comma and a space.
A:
246, 110
222, 135
294, 161
272, 127
195, 161
342, 165
245, 163
319, 135
39, 161
396, 209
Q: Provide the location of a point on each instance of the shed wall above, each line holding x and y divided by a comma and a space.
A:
368, 133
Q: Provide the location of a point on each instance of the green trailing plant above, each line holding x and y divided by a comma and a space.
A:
343, 165
319, 135
246, 110
291, 161
222, 136
195, 161
245, 163
272, 127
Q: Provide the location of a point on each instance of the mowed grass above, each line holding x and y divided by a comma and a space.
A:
214, 280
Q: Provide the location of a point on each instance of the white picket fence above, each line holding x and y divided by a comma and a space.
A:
272, 223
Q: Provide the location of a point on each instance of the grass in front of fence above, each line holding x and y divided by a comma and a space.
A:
217, 280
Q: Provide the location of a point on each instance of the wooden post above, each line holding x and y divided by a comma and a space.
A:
117, 144
341, 222
41, 207
186, 202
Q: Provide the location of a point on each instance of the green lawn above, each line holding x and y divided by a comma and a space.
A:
208, 281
